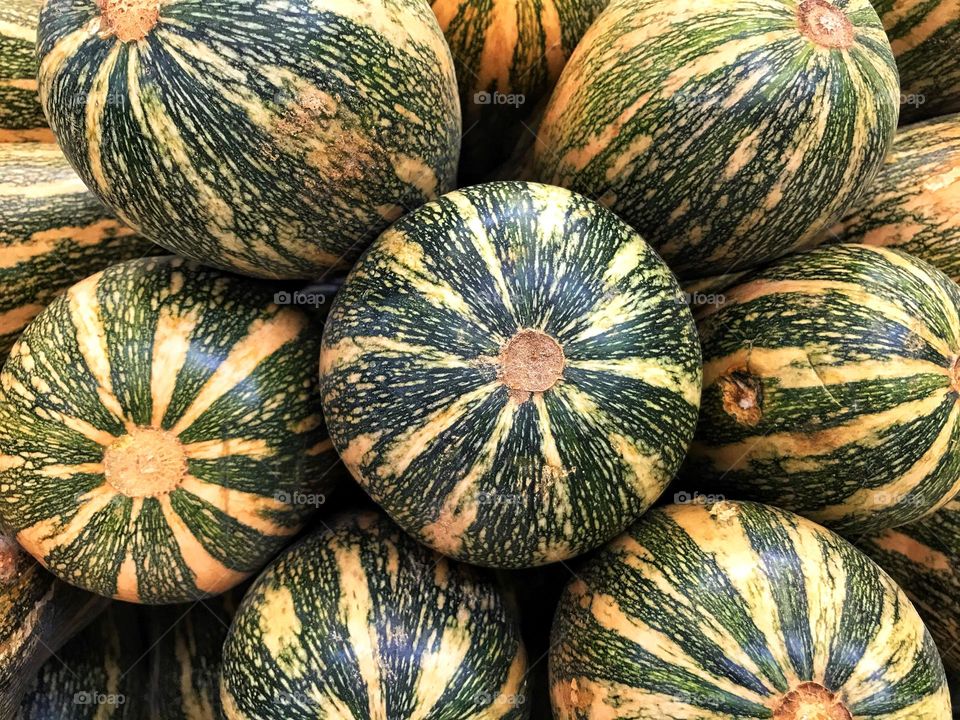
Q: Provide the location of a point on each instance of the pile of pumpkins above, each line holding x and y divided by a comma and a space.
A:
374, 359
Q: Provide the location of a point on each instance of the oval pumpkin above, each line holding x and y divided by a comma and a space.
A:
358, 620
508, 56
737, 610
271, 138
831, 387
160, 431
912, 205
52, 232
509, 395
727, 133
21, 115
924, 557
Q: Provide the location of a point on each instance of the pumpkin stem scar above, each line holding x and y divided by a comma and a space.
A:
742, 395
9, 559
811, 701
531, 362
145, 463
825, 24
129, 20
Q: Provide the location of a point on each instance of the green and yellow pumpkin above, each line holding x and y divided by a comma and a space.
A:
732, 610
274, 138
360, 621
53, 231
913, 204
924, 557
21, 115
831, 387
102, 674
727, 133
512, 373
161, 436
924, 35
508, 55
38, 614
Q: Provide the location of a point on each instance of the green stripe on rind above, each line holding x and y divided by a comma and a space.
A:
710, 126
508, 56
358, 620
415, 404
21, 115
272, 138
924, 558
732, 573
830, 389
209, 359
38, 614
912, 204
53, 232
924, 35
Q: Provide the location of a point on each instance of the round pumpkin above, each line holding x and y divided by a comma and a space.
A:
21, 116
831, 388
512, 373
924, 557
359, 620
274, 138
737, 610
161, 436
912, 204
508, 56
727, 133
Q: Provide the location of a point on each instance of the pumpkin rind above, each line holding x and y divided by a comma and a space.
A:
21, 115
924, 35
512, 373
271, 138
831, 389
720, 131
508, 55
38, 614
724, 610
358, 620
924, 558
160, 431
52, 232
912, 205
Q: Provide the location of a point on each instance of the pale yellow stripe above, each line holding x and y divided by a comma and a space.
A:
65, 471
439, 667
97, 102
15, 31
264, 338
128, 583
46, 189
171, 345
349, 351
216, 449
659, 373
47, 535
247, 508
510, 693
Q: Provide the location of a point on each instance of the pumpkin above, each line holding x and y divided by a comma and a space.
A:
727, 133
21, 116
738, 610
161, 436
358, 620
272, 138
831, 384
508, 396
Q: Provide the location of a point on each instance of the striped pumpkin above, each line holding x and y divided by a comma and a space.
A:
101, 674
831, 384
52, 232
912, 205
511, 398
727, 133
21, 116
271, 137
508, 56
924, 557
160, 431
38, 614
740, 611
925, 35
359, 621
